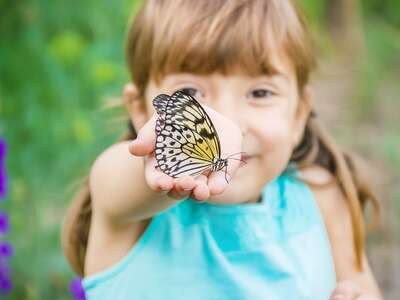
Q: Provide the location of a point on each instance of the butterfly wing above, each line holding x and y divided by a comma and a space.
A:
187, 141
187, 112
160, 104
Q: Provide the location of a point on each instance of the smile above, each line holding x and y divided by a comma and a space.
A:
245, 159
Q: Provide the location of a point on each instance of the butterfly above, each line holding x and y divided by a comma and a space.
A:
187, 142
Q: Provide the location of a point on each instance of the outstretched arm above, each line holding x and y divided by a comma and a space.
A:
126, 185
127, 190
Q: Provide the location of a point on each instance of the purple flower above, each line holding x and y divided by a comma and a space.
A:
3, 148
5, 284
4, 223
2, 168
76, 289
6, 249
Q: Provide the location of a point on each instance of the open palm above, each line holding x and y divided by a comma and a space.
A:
200, 187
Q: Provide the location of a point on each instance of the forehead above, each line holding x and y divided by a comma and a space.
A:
279, 67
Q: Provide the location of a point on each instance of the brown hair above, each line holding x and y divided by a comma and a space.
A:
206, 36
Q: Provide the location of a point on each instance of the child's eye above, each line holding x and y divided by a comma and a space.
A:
261, 93
191, 91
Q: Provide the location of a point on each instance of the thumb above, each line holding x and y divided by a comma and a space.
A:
145, 140
218, 181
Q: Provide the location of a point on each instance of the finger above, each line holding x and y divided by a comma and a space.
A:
178, 195
145, 142
129, 92
346, 290
157, 180
218, 181
184, 185
201, 191
162, 184
348, 287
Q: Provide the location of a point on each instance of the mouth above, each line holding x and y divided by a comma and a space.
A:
245, 159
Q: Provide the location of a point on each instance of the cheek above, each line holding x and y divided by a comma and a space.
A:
274, 134
275, 147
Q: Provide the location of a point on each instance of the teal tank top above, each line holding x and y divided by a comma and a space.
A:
274, 249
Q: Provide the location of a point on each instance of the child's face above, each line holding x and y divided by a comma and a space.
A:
268, 110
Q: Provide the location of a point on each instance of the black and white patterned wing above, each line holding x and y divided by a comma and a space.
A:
185, 142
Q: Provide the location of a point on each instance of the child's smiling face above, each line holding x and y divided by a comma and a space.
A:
267, 108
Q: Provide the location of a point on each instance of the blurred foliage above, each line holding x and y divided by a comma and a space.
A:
59, 62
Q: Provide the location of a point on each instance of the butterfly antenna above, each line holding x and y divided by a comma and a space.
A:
241, 160
229, 157
235, 154
226, 171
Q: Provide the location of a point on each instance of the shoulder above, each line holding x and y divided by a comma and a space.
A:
327, 192
335, 212
334, 209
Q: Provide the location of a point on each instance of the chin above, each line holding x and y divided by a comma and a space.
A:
245, 187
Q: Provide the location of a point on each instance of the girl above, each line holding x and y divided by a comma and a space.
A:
289, 224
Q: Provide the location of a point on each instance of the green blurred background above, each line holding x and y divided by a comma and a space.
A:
61, 62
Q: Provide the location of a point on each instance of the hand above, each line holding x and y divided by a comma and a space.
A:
348, 290
202, 186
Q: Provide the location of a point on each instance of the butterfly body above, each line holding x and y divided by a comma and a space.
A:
186, 140
219, 164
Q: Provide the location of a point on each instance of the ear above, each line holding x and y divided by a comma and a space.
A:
135, 105
303, 111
